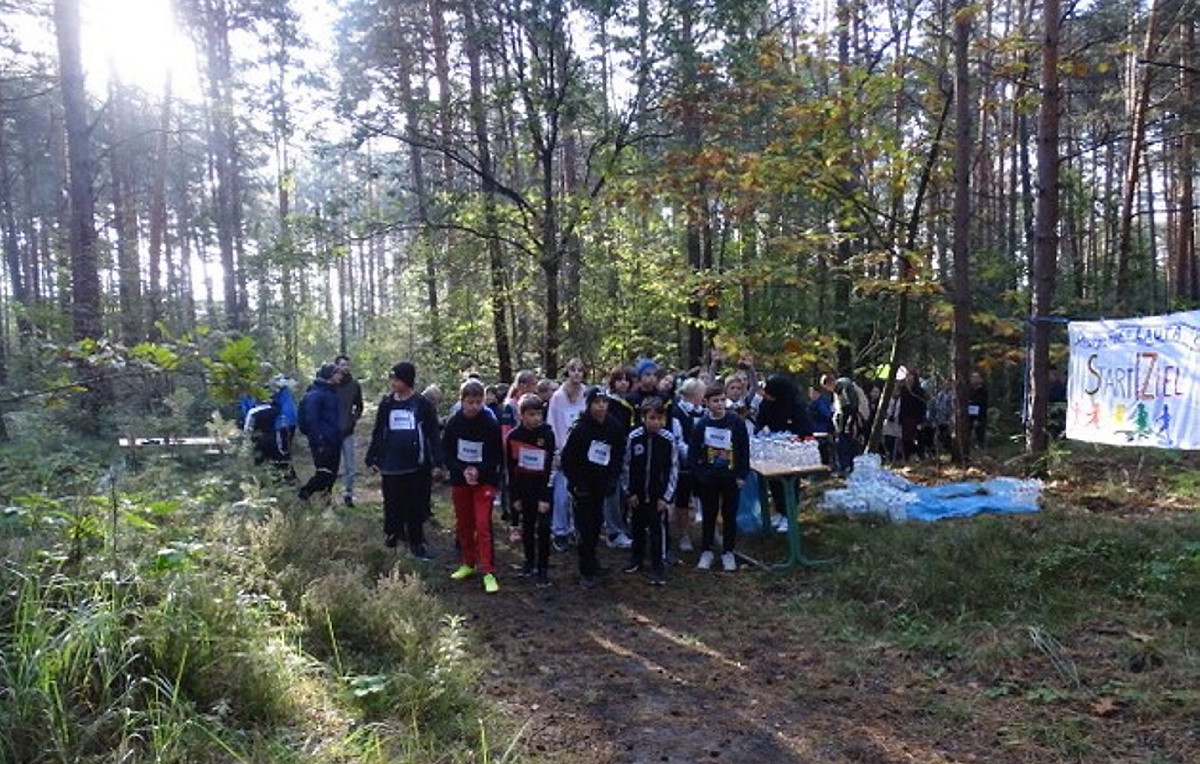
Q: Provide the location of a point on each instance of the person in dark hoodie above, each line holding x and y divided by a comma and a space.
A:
720, 457
405, 449
650, 477
530, 457
320, 421
350, 406
474, 454
781, 411
591, 463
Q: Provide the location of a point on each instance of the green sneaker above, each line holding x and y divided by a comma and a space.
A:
490, 584
464, 571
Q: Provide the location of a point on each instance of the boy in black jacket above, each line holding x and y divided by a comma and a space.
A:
720, 457
473, 452
405, 449
650, 476
591, 463
530, 459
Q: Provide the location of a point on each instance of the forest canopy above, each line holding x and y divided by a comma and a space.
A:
502, 184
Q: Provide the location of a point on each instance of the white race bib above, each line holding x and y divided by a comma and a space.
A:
401, 419
531, 459
719, 438
599, 453
470, 451
972, 410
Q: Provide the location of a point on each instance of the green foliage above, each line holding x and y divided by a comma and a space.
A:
236, 370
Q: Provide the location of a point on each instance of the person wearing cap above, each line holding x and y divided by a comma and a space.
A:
591, 462
350, 407
405, 449
320, 420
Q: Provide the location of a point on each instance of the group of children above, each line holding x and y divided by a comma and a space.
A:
590, 460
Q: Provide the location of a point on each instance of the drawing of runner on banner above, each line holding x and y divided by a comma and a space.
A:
1134, 381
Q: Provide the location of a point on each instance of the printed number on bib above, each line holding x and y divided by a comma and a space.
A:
401, 419
531, 459
718, 438
599, 453
470, 451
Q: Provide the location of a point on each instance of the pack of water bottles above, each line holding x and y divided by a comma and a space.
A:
872, 489
785, 450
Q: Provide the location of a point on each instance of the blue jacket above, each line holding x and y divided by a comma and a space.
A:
322, 415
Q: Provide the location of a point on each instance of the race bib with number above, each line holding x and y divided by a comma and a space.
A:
973, 410
470, 451
599, 453
719, 438
401, 419
531, 459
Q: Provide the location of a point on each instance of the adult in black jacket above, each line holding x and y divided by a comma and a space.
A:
781, 411
591, 463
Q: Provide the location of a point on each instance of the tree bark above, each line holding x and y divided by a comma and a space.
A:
487, 186
158, 220
962, 230
1045, 253
129, 272
86, 312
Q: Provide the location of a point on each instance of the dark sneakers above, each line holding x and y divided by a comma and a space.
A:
542, 579
587, 582
422, 553
632, 567
391, 541
658, 578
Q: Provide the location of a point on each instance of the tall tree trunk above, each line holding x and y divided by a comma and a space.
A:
158, 219
129, 270
487, 185
85, 276
417, 166
695, 204
1142, 80
1186, 278
962, 229
1045, 253
12, 246
845, 211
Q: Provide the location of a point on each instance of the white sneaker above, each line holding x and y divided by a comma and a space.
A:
782, 525
619, 541
706, 560
728, 562
685, 544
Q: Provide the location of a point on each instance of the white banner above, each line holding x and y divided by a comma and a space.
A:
1133, 382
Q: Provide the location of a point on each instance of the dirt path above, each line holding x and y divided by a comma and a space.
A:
634, 673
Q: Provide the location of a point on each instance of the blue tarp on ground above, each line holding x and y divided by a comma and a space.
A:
1004, 495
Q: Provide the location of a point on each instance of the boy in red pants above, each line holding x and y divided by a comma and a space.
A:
473, 454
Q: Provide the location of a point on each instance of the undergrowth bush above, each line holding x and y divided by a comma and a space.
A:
1035, 569
400, 653
174, 609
